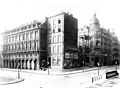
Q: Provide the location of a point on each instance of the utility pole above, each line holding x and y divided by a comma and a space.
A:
89, 42
98, 67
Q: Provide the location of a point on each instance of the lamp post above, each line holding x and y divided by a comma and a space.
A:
83, 65
98, 67
116, 65
83, 50
48, 66
48, 70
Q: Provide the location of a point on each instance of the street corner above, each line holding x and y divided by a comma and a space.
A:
10, 80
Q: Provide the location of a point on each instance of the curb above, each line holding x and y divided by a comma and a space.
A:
12, 82
59, 73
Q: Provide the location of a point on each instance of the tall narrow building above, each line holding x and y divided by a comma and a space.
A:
62, 41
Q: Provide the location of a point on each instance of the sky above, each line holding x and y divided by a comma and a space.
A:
14, 13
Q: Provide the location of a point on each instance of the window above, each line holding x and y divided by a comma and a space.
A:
53, 61
54, 39
97, 43
26, 46
34, 25
19, 38
31, 35
54, 29
54, 50
27, 36
29, 26
13, 39
30, 45
59, 49
54, 22
23, 37
59, 21
9, 39
49, 49
49, 40
35, 46
59, 38
58, 61
16, 38
19, 47
59, 28
36, 34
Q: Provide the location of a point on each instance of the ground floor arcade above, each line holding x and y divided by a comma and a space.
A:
22, 60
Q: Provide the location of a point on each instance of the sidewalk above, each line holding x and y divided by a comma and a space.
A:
57, 72
57, 79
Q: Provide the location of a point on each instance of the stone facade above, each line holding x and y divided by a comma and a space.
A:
62, 37
24, 47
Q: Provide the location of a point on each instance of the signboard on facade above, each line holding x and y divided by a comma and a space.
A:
111, 74
71, 55
76, 56
67, 55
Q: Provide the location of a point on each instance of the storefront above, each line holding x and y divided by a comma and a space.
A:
71, 59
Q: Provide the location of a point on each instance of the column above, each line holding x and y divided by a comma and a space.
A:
28, 64
32, 64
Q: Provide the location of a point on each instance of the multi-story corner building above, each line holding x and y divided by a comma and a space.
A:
1, 49
62, 41
115, 49
98, 41
25, 46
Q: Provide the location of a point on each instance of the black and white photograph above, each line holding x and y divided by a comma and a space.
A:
59, 43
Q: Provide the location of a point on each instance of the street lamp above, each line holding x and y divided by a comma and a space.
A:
98, 67
83, 65
116, 65
48, 65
